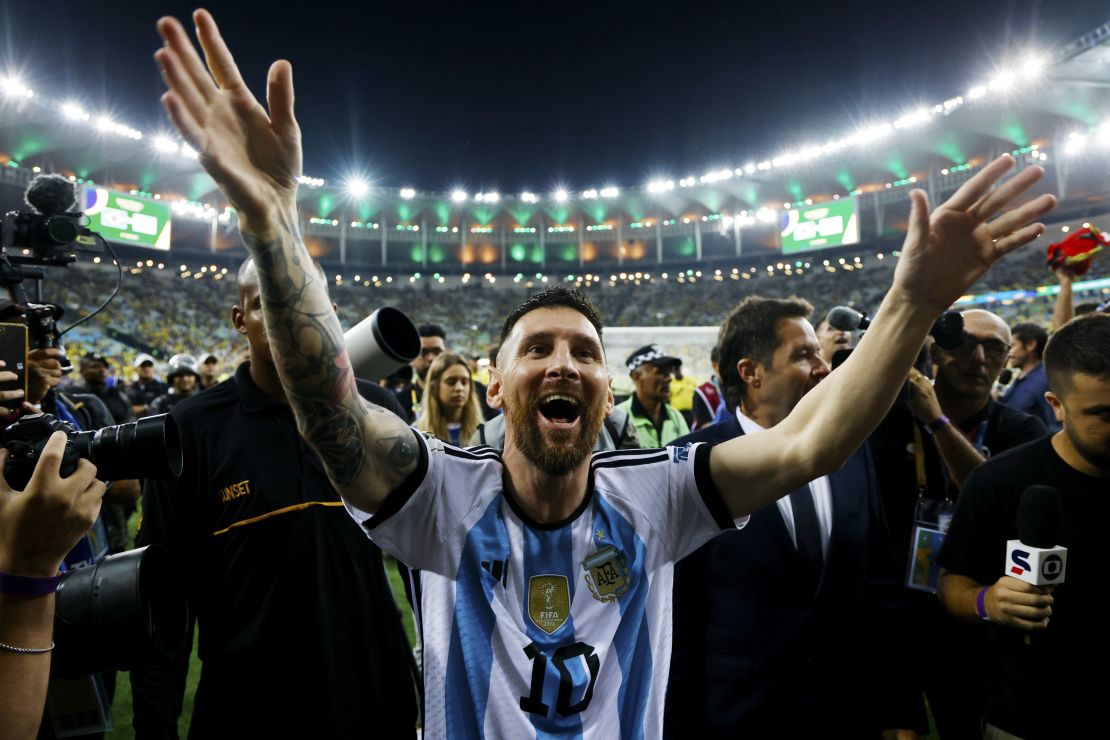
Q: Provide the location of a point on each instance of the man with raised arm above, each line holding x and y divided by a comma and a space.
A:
547, 571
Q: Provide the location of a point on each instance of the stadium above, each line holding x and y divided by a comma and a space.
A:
664, 260
822, 218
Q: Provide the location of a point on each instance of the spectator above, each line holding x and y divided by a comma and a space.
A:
450, 408
433, 343
272, 557
708, 397
146, 386
832, 340
208, 373
1066, 622
96, 376
182, 376
1026, 392
682, 394
656, 423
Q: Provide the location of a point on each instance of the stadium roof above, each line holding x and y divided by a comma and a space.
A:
1056, 102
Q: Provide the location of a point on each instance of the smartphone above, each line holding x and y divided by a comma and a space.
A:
13, 351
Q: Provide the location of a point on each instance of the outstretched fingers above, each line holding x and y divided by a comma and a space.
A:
1019, 238
995, 201
216, 52
177, 41
1021, 216
279, 98
186, 125
975, 188
181, 86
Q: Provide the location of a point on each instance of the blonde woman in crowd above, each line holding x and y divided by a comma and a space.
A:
451, 410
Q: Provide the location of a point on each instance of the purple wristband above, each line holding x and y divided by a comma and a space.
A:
28, 585
936, 424
981, 603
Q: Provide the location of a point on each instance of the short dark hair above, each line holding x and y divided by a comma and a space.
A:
554, 297
715, 354
1080, 346
751, 330
432, 330
1027, 331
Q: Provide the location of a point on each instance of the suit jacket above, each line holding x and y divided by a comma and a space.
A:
757, 653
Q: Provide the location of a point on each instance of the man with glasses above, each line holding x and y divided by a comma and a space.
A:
923, 452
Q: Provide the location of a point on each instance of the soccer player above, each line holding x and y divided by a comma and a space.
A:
547, 570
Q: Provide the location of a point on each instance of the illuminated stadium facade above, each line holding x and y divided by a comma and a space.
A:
818, 197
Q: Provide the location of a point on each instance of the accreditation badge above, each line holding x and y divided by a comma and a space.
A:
930, 526
548, 602
607, 574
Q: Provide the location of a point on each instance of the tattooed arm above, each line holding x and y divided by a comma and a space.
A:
254, 155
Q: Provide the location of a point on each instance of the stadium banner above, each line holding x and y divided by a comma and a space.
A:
120, 217
833, 223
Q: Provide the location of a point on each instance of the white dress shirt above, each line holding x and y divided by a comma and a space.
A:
819, 487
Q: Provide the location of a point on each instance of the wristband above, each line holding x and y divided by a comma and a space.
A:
981, 604
936, 424
28, 585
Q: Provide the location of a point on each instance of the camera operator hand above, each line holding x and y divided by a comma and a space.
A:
44, 371
922, 398
39, 525
7, 376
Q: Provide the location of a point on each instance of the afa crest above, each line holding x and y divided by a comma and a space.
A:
548, 602
607, 574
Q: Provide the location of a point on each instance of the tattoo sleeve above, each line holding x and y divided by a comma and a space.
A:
366, 450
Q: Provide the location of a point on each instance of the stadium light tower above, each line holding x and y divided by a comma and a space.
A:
561, 195
165, 144
13, 87
74, 112
529, 197
357, 187
408, 193
459, 196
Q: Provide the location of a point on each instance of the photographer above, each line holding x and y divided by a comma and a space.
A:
923, 452
38, 527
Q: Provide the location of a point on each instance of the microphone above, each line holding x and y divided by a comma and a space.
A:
844, 318
1035, 557
1006, 376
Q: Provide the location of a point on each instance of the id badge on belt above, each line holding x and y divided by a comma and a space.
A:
930, 525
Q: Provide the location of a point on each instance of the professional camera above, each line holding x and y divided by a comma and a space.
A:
147, 448
51, 234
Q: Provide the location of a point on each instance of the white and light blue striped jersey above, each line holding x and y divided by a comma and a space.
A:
534, 630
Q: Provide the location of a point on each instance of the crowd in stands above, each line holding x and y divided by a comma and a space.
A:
168, 314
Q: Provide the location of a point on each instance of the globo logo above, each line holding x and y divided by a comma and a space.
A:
1052, 567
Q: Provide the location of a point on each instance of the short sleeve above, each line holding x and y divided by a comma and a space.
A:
671, 490
975, 546
424, 521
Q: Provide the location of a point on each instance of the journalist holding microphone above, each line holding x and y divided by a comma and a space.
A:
1026, 554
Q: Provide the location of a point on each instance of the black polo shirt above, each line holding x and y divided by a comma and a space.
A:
892, 445
299, 633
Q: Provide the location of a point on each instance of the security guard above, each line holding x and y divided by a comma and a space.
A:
299, 633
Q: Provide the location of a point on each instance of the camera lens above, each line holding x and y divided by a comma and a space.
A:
147, 448
60, 230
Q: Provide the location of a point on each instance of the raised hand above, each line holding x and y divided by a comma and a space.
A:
253, 155
947, 251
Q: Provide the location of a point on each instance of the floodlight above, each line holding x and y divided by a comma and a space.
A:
528, 197
561, 195
74, 112
458, 196
408, 193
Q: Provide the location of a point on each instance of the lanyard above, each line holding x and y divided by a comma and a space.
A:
919, 454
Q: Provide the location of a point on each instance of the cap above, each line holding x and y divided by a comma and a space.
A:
182, 365
142, 359
211, 356
95, 357
650, 354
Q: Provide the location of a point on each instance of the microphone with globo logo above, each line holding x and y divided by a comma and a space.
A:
1035, 556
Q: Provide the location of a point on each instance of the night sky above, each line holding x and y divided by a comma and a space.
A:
514, 96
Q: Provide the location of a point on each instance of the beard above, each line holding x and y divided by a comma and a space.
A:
563, 450
1099, 458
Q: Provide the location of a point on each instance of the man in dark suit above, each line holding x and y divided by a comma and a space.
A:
779, 626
